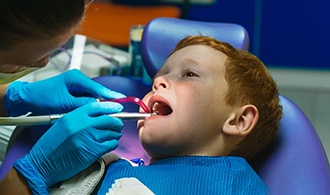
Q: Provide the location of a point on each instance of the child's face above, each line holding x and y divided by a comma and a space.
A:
189, 90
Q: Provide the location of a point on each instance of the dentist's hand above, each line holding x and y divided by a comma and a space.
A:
72, 144
59, 94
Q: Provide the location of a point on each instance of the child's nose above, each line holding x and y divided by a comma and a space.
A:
160, 82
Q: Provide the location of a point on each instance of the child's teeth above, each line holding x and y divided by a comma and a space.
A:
154, 107
155, 104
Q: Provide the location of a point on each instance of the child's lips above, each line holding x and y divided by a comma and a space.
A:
159, 106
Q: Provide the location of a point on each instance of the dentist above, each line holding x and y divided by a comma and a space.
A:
30, 31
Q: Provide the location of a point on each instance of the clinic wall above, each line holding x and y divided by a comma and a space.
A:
289, 34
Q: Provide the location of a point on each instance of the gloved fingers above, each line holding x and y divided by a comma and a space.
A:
100, 108
101, 148
81, 84
93, 115
99, 145
103, 135
106, 122
109, 145
77, 102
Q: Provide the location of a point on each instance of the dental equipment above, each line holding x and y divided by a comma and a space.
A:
135, 100
50, 119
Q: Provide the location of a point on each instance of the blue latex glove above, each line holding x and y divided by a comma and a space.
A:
59, 94
72, 144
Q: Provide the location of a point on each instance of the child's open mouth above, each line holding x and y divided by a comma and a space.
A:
161, 108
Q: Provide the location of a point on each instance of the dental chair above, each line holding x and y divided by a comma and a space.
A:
294, 163
162, 34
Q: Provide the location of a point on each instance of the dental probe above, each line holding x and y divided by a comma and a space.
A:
131, 115
50, 119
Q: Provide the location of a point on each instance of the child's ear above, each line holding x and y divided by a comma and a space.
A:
241, 122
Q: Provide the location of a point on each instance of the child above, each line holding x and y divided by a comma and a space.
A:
213, 107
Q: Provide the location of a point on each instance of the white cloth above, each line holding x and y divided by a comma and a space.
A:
86, 181
129, 186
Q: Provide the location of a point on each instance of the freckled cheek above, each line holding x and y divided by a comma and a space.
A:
198, 101
189, 103
192, 94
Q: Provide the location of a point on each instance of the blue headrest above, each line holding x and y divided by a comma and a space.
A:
161, 35
295, 162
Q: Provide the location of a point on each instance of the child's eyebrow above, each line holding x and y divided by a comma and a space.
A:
189, 61
184, 62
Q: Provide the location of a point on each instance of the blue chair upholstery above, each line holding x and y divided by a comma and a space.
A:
162, 34
26, 137
295, 162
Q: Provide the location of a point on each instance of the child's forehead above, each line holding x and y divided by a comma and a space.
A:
201, 56
197, 51
198, 54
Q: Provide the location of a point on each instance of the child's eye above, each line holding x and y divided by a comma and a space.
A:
189, 74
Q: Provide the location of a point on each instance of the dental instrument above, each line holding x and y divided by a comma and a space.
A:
132, 99
50, 119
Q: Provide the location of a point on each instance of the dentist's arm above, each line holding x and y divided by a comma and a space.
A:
3, 89
14, 183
